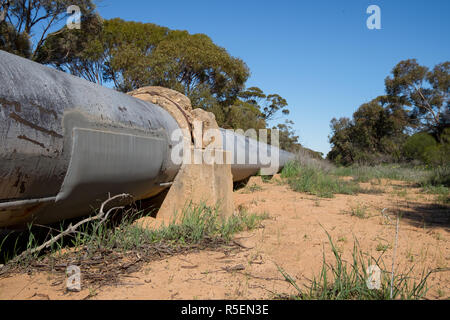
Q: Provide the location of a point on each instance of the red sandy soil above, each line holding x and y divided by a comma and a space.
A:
293, 237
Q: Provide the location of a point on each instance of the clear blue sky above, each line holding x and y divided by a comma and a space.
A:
319, 55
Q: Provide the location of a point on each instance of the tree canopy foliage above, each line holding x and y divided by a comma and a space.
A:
416, 101
425, 93
33, 20
14, 42
131, 55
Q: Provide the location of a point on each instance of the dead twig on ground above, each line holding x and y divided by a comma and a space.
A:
241, 245
102, 216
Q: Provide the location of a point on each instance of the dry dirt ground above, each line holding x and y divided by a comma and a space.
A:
293, 237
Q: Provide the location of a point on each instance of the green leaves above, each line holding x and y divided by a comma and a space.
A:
133, 55
425, 92
13, 41
36, 18
78, 51
184, 61
416, 100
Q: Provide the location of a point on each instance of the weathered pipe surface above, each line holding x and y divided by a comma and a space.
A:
66, 143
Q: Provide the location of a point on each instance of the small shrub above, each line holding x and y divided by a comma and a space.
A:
440, 176
383, 247
359, 211
416, 146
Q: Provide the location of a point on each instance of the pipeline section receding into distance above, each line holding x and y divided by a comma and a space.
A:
67, 143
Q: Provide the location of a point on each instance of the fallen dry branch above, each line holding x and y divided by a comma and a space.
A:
108, 266
102, 216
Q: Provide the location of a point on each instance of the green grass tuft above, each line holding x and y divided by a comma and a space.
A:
197, 224
348, 281
392, 171
316, 181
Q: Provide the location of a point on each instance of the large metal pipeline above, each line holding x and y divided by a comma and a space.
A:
247, 155
66, 143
